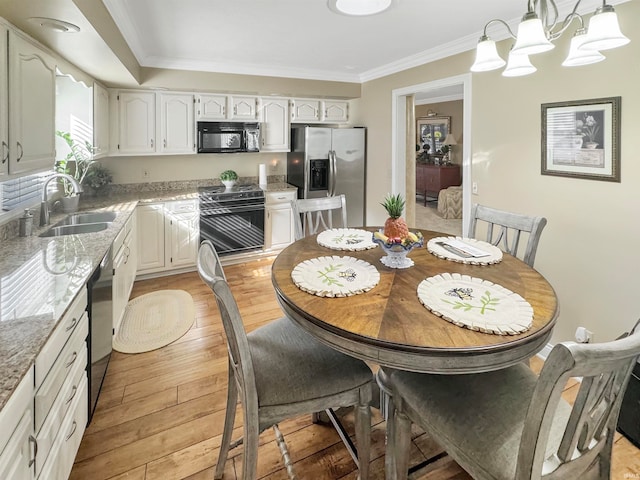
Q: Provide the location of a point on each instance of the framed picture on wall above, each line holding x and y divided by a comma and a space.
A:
581, 139
432, 131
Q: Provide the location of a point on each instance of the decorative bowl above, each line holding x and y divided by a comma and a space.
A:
228, 183
396, 250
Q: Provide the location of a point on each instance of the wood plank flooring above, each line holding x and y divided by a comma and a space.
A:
161, 413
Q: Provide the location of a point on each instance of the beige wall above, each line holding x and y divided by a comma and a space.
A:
588, 250
192, 167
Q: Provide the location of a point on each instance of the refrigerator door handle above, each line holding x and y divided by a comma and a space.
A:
330, 179
334, 167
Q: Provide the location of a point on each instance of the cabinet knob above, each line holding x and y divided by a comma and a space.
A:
5, 148
152, 143
21, 151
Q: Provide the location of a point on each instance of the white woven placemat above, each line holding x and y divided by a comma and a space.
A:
154, 320
335, 276
348, 239
476, 304
435, 246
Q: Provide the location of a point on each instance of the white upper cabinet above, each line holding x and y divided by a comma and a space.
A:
243, 108
176, 123
4, 105
335, 111
100, 121
32, 81
211, 107
304, 110
136, 122
160, 123
274, 130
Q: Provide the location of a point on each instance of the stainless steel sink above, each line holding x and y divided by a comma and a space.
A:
58, 231
88, 217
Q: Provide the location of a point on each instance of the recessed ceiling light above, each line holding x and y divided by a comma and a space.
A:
359, 7
55, 24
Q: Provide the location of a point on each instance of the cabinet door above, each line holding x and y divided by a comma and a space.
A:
32, 81
137, 122
100, 121
176, 123
131, 260
150, 220
305, 110
274, 131
15, 460
119, 288
335, 111
279, 231
243, 108
184, 234
4, 105
212, 107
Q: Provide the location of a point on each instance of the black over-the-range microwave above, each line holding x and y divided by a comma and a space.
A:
228, 137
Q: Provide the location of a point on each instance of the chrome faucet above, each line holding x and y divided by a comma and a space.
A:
44, 206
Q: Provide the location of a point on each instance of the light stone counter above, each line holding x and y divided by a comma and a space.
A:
40, 277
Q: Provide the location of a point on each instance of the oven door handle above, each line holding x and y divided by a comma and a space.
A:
216, 211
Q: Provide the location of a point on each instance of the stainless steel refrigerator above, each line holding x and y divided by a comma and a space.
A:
326, 161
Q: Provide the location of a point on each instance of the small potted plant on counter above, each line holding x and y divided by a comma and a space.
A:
229, 178
76, 163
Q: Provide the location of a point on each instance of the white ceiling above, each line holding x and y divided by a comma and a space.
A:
281, 38
303, 38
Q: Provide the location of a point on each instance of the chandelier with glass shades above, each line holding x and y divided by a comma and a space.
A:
540, 26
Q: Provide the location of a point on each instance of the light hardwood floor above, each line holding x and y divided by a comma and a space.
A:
160, 414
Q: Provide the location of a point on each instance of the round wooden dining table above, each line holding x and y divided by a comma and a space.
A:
388, 325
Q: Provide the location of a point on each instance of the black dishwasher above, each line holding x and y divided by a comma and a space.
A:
100, 327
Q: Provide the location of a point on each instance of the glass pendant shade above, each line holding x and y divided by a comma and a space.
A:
487, 57
518, 65
361, 7
531, 38
578, 56
604, 31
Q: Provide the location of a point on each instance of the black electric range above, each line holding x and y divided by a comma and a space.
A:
232, 218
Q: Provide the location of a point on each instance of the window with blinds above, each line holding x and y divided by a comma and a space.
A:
24, 192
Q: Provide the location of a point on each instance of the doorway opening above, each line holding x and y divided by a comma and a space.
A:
403, 163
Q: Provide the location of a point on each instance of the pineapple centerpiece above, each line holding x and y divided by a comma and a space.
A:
396, 239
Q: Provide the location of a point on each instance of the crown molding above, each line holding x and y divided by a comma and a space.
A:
248, 69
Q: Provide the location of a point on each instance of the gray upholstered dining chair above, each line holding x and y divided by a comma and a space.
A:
511, 424
313, 215
504, 230
279, 371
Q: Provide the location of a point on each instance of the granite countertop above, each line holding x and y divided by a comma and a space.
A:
40, 277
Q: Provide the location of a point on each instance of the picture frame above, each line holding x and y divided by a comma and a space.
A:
581, 139
432, 131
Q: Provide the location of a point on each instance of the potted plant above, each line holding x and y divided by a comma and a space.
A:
228, 178
77, 164
97, 177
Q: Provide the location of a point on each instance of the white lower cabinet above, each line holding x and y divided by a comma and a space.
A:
17, 442
168, 235
125, 266
279, 229
61, 395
